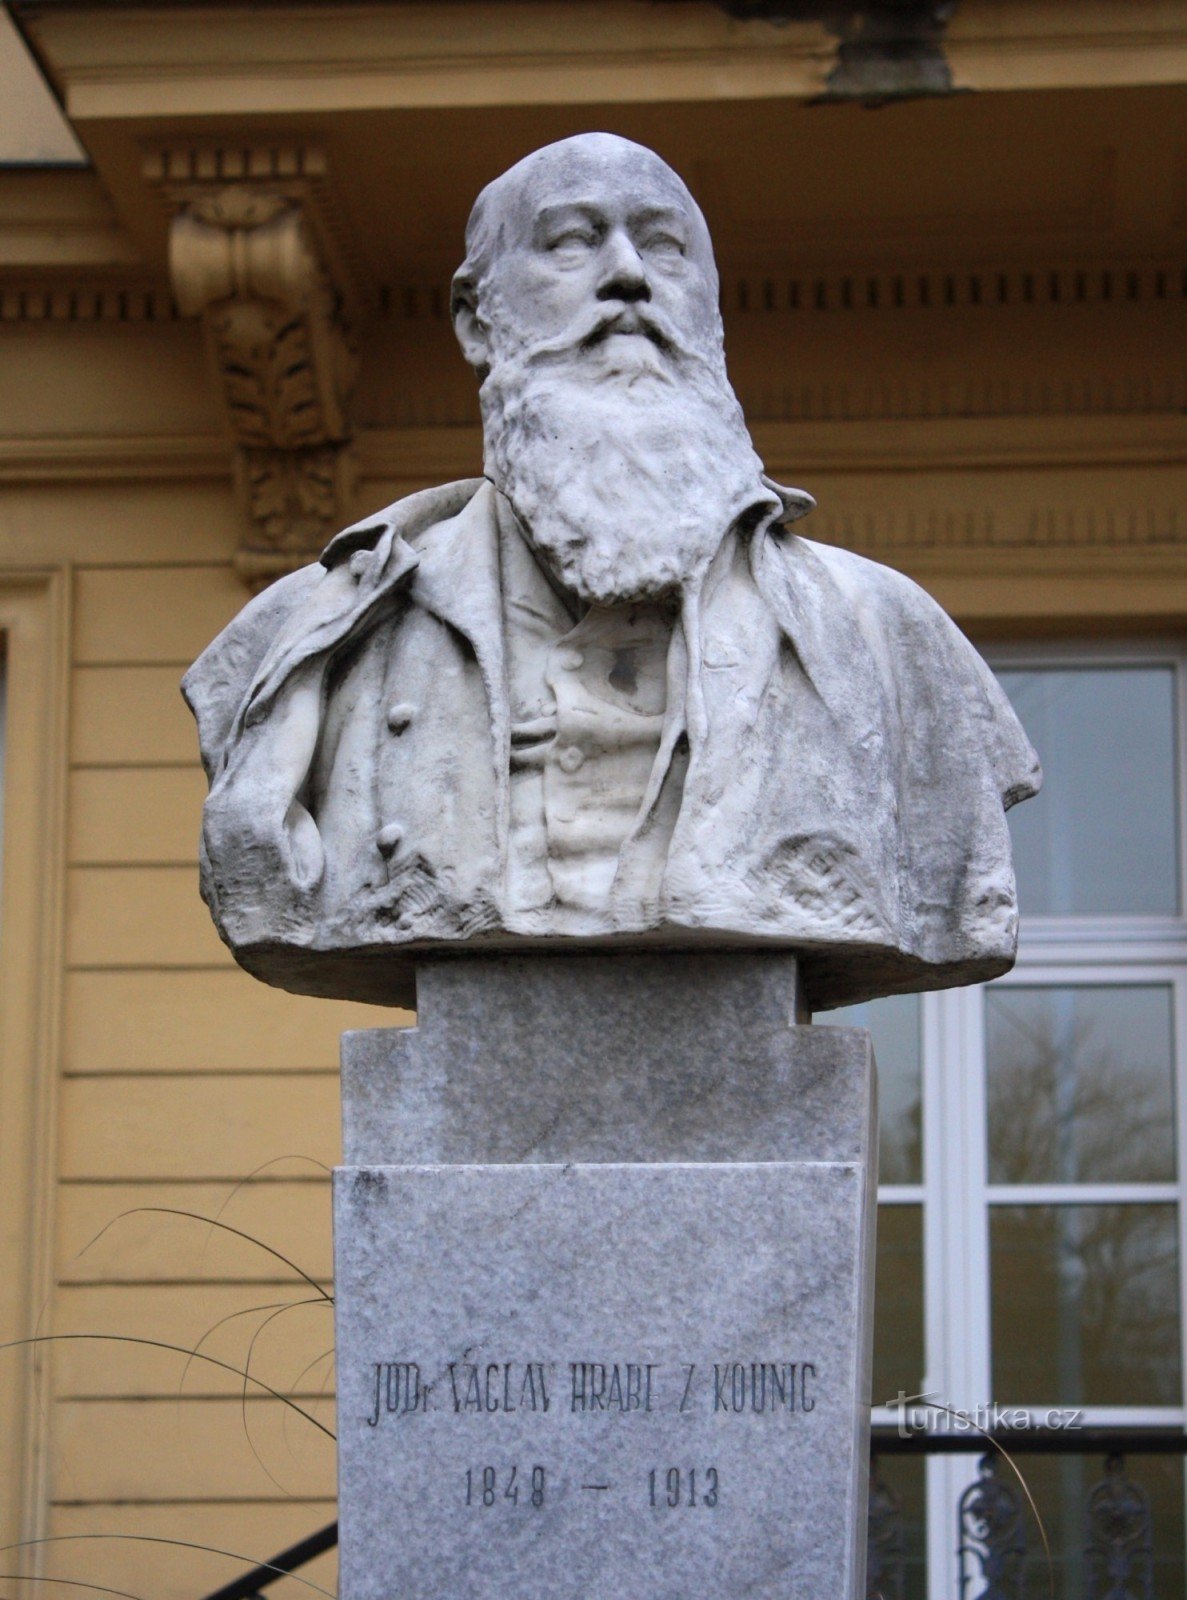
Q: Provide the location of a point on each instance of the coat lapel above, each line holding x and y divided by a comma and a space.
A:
457, 580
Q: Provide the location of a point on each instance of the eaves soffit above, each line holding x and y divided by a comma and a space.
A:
407, 107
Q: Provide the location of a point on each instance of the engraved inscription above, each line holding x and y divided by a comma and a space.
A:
398, 1389
490, 1486
674, 1488
760, 1386
593, 1388
499, 1386
618, 1387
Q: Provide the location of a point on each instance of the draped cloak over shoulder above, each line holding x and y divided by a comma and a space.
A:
849, 761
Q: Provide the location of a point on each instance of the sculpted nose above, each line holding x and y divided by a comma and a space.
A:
624, 276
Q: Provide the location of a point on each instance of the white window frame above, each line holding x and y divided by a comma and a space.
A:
956, 1194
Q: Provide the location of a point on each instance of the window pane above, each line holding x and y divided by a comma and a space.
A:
895, 1027
898, 1304
1080, 1084
1101, 836
1085, 1305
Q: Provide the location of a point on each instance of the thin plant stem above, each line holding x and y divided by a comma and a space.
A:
179, 1349
156, 1538
196, 1216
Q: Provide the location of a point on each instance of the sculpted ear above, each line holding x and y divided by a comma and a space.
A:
471, 331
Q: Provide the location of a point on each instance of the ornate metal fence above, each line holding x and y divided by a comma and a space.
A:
999, 1549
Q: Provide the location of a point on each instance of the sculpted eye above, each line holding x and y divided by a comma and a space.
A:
664, 244
573, 240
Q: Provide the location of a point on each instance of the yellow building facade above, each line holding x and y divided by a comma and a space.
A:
954, 280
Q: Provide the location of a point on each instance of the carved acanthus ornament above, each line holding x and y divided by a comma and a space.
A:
249, 258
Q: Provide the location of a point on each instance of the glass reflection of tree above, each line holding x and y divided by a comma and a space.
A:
899, 1145
1063, 1108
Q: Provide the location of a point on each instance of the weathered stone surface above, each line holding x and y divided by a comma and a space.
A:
653, 1057
627, 1300
603, 695
589, 1326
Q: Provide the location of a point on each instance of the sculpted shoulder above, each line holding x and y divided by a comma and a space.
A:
929, 660
310, 609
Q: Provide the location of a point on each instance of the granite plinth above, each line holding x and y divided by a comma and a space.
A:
603, 1250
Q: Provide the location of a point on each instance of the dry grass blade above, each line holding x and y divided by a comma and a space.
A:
263, 1167
326, 1355
247, 1377
277, 1306
970, 1422
211, 1222
179, 1349
73, 1583
156, 1538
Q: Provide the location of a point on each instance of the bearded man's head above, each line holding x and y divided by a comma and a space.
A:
588, 305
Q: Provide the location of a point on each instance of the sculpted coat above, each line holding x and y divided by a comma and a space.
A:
833, 768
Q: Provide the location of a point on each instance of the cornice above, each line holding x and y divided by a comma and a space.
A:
114, 458
60, 219
436, 454
890, 446
112, 61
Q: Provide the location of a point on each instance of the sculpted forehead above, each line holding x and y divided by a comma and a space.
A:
592, 168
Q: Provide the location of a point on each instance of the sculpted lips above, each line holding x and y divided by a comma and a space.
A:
628, 321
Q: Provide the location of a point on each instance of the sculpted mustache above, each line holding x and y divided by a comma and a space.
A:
591, 330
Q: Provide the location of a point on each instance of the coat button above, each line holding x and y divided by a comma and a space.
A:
387, 839
570, 660
359, 563
571, 758
399, 716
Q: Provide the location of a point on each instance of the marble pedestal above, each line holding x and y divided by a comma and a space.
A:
603, 1253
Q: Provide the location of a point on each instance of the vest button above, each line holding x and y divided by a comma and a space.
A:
571, 758
399, 716
570, 660
360, 563
387, 839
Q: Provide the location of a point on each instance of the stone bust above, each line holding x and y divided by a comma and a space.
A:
603, 695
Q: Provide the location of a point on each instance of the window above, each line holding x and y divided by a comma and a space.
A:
1034, 1135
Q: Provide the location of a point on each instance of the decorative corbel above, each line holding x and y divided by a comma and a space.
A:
250, 253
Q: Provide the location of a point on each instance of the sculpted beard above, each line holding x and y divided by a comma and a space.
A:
626, 458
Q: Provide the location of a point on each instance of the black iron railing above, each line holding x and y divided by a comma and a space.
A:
998, 1547
252, 1584
1108, 1528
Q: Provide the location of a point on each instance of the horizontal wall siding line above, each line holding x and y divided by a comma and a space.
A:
123, 1450
80, 1075
168, 1124
176, 1021
124, 664
255, 1396
180, 565
204, 1500
152, 617
180, 664
150, 966
182, 864
136, 766
228, 1281
256, 1181
160, 864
